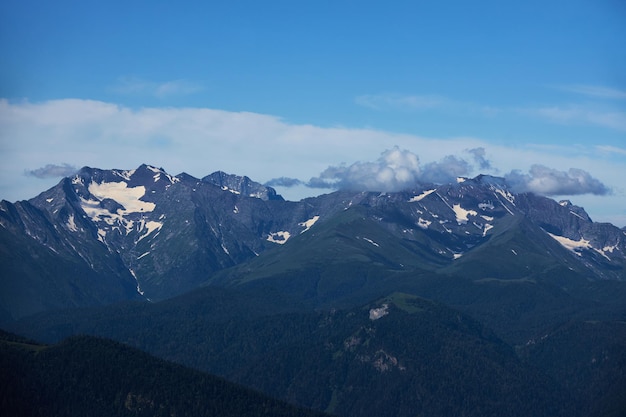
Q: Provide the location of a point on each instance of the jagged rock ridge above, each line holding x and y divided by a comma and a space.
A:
110, 235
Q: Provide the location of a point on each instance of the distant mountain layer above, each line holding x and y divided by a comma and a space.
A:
104, 236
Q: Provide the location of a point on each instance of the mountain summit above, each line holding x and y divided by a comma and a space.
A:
103, 236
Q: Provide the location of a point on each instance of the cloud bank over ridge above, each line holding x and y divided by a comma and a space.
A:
298, 159
400, 169
547, 181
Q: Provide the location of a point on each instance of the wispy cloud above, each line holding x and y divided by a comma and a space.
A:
400, 102
581, 115
595, 91
139, 86
590, 113
564, 114
611, 149
52, 171
426, 102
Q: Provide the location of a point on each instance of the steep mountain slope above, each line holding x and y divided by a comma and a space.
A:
143, 229
102, 233
43, 267
516, 278
86, 376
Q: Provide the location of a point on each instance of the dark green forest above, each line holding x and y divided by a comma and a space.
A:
87, 376
420, 358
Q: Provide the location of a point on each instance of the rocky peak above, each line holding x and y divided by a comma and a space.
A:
242, 185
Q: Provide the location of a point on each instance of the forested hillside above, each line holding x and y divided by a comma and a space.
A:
87, 376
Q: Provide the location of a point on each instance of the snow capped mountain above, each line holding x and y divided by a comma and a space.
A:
109, 235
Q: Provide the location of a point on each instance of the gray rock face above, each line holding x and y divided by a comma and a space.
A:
242, 185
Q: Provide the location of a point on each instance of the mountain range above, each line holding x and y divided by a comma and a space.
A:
355, 295
110, 235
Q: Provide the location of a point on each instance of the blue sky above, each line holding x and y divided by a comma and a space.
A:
296, 89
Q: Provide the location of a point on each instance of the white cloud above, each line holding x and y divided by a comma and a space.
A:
595, 91
394, 170
200, 141
448, 169
549, 181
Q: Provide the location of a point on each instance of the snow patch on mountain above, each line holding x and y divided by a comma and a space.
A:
421, 196
461, 213
307, 224
279, 237
129, 200
71, 224
225, 188
423, 223
159, 172
370, 241
573, 245
96, 213
121, 193
137, 281
125, 174
609, 248
506, 195
149, 226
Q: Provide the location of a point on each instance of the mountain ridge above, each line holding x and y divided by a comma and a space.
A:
164, 235
332, 300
